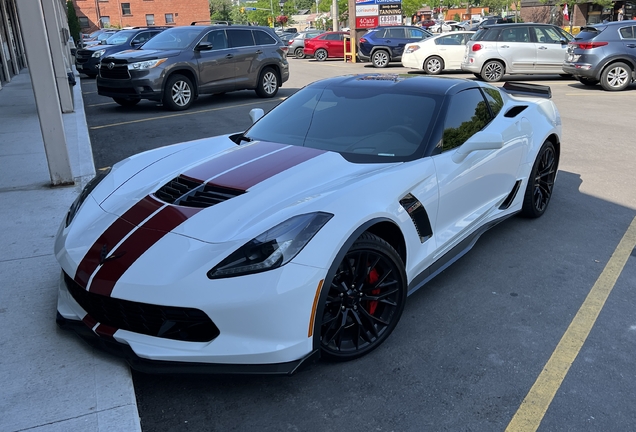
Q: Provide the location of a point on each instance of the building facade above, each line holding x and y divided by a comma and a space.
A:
12, 54
95, 14
580, 14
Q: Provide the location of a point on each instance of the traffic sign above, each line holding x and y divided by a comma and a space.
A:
249, 8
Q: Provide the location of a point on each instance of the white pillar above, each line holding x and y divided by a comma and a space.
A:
54, 31
18, 33
38, 54
10, 36
5, 61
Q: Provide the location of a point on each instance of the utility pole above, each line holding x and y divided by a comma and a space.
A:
334, 15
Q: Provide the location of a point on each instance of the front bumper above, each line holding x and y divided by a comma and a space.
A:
146, 84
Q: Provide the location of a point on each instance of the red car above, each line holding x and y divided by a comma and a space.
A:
426, 23
326, 45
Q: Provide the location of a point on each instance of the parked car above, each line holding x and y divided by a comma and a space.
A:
426, 23
326, 45
87, 59
604, 53
262, 251
98, 37
180, 63
437, 53
523, 48
286, 37
383, 45
297, 45
442, 27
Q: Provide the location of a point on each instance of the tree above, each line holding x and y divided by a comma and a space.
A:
73, 21
221, 10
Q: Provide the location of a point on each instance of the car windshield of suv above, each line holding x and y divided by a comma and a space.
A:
120, 37
174, 38
376, 123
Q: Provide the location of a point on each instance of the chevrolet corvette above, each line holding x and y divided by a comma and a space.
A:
264, 250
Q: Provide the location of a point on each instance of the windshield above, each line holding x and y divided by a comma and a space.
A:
119, 37
102, 36
174, 38
370, 121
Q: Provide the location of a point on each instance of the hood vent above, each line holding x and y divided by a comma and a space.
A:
188, 192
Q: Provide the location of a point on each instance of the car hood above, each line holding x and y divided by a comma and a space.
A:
237, 191
142, 54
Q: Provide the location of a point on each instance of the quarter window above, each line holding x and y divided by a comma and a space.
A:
125, 9
494, 100
262, 38
467, 114
627, 32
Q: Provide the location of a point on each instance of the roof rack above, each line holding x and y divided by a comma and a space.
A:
214, 22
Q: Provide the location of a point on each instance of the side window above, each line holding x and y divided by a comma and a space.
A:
380, 33
456, 39
395, 33
564, 34
141, 38
546, 35
240, 38
514, 34
332, 37
262, 38
467, 114
494, 100
217, 39
414, 33
627, 32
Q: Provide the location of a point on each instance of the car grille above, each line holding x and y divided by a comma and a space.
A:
117, 72
189, 193
184, 324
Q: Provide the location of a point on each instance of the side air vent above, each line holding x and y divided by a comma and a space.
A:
418, 215
511, 196
514, 111
187, 192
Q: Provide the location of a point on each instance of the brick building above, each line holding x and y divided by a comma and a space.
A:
94, 14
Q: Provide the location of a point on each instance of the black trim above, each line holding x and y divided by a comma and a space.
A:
511, 196
525, 89
515, 111
418, 215
452, 255
163, 367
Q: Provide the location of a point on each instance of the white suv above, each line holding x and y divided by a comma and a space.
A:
520, 48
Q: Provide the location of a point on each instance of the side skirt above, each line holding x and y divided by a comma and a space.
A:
452, 255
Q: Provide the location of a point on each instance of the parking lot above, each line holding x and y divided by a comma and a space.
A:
472, 343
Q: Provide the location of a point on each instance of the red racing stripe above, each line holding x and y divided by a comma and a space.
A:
89, 321
136, 245
259, 170
113, 235
105, 331
240, 155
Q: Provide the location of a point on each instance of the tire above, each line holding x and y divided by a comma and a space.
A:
321, 54
587, 81
493, 71
541, 182
178, 94
433, 65
380, 58
478, 76
565, 76
126, 102
268, 83
356, 321
299, 53
616, 77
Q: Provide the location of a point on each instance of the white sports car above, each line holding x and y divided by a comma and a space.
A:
437, 53
259, 251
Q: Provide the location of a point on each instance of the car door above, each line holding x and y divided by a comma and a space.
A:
451, 48
628, 36
551, 49
246, 55
216, 65
470, 189
334, 44
517, 49
396, 39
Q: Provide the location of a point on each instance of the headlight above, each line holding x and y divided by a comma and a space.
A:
98, 53
148, 64
85, 193
272, 249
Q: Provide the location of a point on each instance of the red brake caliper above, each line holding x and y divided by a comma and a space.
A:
372, 279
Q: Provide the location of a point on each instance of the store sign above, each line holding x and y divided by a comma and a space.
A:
366, 22
388, 20
365, 2
388, 1
366, 10
390, 9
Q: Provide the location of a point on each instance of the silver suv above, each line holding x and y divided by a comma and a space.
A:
521, 48
181, 63
297, 45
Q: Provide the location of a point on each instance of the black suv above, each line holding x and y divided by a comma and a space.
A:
87, 59
386, 44
604, 53
181, 63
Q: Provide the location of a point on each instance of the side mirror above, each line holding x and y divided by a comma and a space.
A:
203, 46
564, 41
255, 114
135, 43
479, 141
103, 42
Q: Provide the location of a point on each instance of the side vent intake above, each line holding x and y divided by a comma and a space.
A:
187, 192
418, 215
511, 196
514, 111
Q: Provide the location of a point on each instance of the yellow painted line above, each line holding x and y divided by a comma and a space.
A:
529, 415
177, 115
596, 93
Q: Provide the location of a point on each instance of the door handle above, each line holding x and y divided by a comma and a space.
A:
229, 56
543, 48
259, 52
631, 45
505, 46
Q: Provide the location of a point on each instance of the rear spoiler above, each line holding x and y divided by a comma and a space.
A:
524, 89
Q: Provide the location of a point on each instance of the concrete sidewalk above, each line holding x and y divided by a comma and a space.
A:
50, 380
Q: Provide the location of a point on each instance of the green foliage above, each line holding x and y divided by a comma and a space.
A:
221, 10
456, 17
73, 21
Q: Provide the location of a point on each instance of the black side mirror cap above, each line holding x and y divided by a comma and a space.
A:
203, 46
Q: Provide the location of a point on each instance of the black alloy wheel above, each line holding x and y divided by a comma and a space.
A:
541, 182
365, 300
493, 71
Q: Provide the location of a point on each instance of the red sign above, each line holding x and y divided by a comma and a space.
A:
366, 22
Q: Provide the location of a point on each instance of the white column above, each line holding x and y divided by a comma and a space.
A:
9, 29
18, 32
38, 54
54, 31
3, 53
